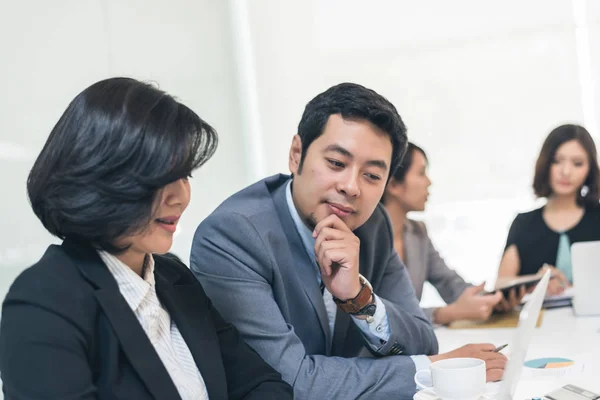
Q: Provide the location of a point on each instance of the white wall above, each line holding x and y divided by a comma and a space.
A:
479, 84
50, 51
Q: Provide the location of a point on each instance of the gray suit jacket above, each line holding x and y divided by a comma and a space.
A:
253, 265
424, 263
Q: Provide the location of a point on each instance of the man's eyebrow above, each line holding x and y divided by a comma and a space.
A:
339, 149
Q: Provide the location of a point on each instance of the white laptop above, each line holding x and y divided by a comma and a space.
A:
522, 337
585, 265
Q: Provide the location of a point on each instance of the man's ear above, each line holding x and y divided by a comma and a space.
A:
295, 155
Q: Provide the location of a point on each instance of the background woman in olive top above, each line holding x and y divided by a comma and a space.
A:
407, 191
566, 173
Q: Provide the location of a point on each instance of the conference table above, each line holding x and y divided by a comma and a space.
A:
561, 335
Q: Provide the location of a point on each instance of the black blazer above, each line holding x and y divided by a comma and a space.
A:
67, 333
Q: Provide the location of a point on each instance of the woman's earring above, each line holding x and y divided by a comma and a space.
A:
584, 190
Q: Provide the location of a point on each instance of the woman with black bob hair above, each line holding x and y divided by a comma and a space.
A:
567, 175
104, 315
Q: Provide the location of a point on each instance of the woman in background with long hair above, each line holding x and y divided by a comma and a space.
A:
566, 174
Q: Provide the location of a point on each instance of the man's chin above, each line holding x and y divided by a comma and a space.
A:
311, 222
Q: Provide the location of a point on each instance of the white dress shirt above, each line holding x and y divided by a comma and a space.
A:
174, 353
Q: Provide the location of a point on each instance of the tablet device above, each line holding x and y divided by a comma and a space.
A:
528, 281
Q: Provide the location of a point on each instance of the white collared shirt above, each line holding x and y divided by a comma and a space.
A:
141, 296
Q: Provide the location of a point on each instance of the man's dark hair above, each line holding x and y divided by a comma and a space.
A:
558, 136
353, 102
117, 144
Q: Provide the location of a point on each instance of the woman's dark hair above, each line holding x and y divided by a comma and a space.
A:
560, 135
406, 163
116, 145
353, 102
400, 173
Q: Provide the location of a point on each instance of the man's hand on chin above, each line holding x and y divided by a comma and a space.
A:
337, 249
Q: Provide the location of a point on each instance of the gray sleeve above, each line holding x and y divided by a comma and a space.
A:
410, 328
429, 313
231, 261
447, 282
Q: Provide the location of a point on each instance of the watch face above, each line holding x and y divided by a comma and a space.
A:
369, 310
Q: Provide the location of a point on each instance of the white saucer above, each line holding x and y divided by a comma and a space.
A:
429, 394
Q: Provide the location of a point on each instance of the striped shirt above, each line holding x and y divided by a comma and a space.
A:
141, 296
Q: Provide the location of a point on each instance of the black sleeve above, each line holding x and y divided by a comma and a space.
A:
514, 233
248, 375
42, 351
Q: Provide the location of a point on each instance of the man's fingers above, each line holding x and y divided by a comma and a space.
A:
485, 347
328, 233
491, 356
332, 221
321, 245
493, 375
496, 363
332, 235
328, 256
325, 269
336, 251
332, 258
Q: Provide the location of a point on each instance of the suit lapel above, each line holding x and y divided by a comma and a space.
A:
304, 267
134, 341
190, 311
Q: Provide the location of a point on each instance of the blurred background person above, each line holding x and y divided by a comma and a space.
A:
566, 174
407, 191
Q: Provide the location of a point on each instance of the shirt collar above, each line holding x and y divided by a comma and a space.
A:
131, 285
305, 234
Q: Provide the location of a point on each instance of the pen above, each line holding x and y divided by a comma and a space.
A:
499, 348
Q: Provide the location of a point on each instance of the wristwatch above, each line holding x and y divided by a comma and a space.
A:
362, 304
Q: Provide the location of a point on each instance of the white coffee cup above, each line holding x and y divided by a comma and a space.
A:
455, 378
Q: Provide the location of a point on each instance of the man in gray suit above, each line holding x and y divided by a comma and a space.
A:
305, 266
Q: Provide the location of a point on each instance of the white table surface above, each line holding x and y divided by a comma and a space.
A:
561, 334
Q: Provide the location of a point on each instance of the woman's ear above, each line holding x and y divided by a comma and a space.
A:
394, 188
